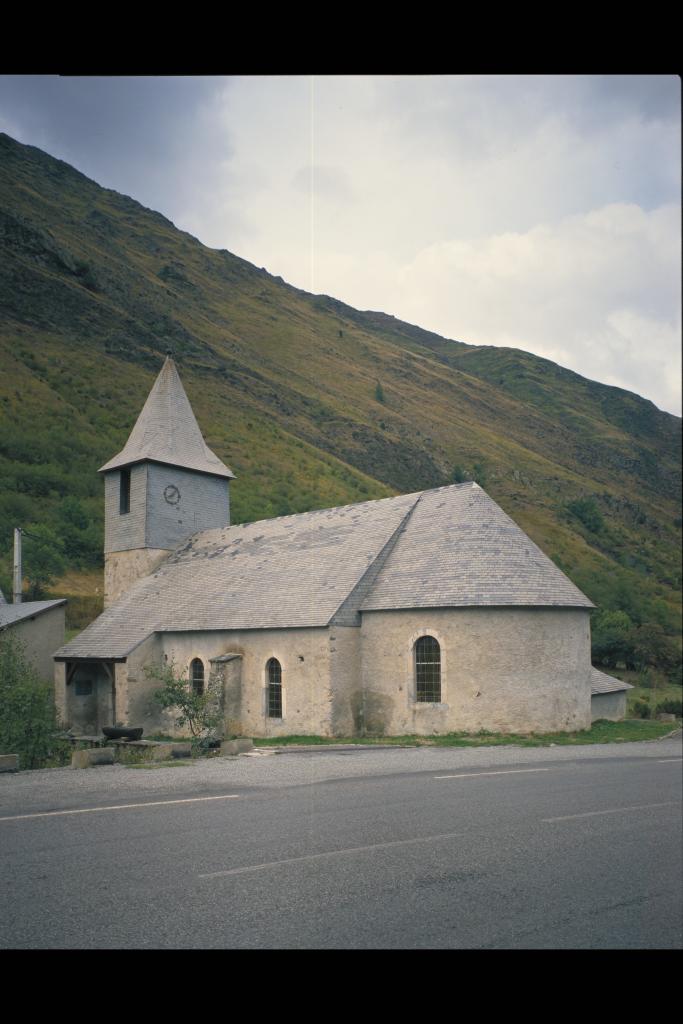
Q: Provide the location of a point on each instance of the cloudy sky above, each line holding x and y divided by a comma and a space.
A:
540, 212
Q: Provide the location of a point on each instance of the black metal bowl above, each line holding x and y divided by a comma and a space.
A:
113, 732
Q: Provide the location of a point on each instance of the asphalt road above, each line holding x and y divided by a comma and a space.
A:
486, 848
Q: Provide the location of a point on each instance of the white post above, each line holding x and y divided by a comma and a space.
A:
17, 566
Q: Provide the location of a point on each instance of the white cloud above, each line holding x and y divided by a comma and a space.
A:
599, 293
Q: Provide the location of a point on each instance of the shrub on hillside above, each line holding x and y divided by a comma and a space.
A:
588, 513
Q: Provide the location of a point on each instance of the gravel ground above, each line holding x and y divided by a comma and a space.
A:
56, 788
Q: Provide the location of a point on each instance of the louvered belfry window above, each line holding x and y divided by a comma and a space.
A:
197, 676
428, 670
274, 697
124, 492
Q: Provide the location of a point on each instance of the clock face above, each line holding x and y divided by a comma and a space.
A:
172, 494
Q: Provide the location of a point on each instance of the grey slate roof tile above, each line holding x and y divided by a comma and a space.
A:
602, 683
460, 549
457, 548
167, 431
11, 613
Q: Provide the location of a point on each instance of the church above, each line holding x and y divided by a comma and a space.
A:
426, 613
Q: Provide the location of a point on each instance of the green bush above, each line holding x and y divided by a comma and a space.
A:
641, 709
200, 712
27, 714
671, 707
587, 512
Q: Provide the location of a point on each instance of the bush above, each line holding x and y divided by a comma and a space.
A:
27, 714
641, 709
588, 513
671, 707
201, 713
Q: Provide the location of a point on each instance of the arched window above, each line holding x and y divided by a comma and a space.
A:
427, 670
197, 676
274, 692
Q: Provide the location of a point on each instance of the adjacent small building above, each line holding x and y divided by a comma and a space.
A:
39, 625
425, 613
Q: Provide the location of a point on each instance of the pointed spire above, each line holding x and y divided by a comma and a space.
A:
167, 431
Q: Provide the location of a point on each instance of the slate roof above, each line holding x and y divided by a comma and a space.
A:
460, 549
602, 683
167, 431
449, 547
11, 613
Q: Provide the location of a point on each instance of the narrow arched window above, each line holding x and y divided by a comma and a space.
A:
427, 670
274, 693
197, 676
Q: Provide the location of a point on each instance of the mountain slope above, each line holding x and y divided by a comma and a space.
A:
310, 402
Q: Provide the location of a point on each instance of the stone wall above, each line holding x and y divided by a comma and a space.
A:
502, 670
304, 655
123, 568
42, 634
611, 706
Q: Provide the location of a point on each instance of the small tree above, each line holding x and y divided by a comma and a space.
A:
379, 393
202, 713
27, 712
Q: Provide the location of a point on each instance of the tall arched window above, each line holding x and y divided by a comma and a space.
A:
427, 670
197, 676
274, 692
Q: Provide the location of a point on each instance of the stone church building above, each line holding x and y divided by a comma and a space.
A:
425, 613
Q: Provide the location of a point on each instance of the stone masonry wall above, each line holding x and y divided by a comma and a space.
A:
502, 669
42, 634
303, 654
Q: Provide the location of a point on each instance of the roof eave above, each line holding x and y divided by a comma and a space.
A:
117, 463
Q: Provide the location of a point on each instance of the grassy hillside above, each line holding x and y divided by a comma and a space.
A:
310, 402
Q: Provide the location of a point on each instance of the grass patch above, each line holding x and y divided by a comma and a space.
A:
322, 741
601, 732
175, 763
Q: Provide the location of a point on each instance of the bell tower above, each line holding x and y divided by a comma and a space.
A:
164, 486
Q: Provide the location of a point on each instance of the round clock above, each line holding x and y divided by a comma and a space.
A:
172, 494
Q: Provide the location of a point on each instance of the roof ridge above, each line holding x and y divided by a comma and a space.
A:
376, 565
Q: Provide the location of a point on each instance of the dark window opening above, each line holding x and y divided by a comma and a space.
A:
83, 687
197, 676
124, 492
428, 670
274, 701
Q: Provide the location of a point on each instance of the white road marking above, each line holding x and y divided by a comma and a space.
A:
671, 760
507, 771
329, 853
612, 810
121, 807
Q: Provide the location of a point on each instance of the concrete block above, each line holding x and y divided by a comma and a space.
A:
92, 758
239, 746
163, 751
9, 762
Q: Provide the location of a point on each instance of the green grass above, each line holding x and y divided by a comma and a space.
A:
601, 732
164, 764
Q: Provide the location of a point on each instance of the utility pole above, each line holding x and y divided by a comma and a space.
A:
18, 575
17, 566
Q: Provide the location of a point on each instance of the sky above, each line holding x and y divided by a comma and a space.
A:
536, 212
